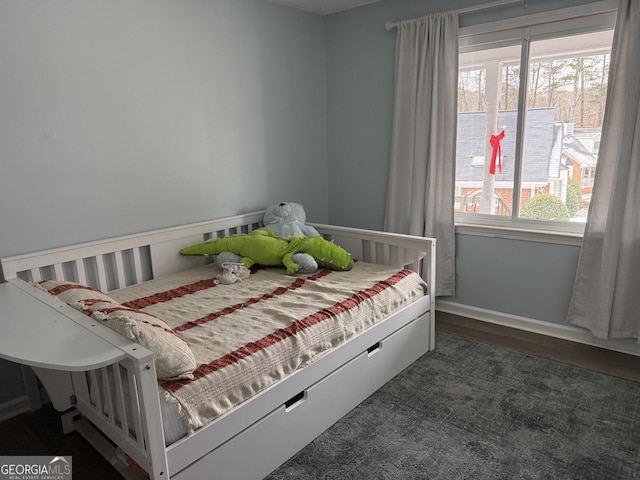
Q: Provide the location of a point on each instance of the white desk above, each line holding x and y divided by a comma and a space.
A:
39, 333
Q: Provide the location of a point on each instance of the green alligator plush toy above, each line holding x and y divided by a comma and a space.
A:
264, 248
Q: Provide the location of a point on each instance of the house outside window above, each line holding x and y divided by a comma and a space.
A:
531, 102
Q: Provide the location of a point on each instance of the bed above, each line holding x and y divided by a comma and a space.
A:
105, 382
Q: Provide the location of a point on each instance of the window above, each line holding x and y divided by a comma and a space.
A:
530, 107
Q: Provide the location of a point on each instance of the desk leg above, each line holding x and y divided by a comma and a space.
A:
32, 387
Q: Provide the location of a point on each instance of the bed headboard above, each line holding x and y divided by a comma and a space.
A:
116, 263
122, 261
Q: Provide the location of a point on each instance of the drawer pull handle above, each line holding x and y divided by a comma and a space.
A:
294, 401
374, 348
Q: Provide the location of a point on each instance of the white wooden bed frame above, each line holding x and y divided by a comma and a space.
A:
70, 351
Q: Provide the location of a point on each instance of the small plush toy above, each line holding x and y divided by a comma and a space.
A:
285, 220
264, 248
232, 273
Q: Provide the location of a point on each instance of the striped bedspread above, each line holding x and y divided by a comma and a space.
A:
248, 335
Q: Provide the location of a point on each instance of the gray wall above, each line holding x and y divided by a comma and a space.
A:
121, 116
515, 277
118, 116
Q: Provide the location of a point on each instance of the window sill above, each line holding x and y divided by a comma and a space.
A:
520, 233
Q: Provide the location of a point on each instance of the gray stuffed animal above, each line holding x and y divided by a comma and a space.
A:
286, 220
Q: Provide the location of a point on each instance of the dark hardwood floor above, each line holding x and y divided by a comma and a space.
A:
586, 356
40, 433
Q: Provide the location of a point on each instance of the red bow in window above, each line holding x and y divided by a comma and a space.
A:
496, 157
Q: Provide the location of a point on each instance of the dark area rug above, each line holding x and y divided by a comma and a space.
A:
470, 410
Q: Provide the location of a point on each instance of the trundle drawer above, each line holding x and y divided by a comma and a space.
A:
268, 443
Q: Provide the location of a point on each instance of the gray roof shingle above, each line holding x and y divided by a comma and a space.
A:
543, 145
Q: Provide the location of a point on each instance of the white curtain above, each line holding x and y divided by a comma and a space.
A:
606, 295
422, 169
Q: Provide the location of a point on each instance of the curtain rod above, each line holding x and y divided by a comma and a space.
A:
498, 3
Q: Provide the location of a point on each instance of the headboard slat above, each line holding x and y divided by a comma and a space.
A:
35, 274
59, 273
102, 275
137, 266
82, 278
120, 271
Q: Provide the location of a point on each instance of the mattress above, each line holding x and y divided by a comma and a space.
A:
249, 335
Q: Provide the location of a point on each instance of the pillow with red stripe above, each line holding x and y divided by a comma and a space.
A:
174, 359
73, 294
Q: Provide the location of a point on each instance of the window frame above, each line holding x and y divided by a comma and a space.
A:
593, 17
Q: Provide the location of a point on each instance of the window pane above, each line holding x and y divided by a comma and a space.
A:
565, 105
488, 88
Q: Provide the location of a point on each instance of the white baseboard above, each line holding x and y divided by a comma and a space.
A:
565, 332
13, 408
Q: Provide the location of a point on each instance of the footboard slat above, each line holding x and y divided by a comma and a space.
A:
121, 405
382, 253
395, 254
97, 398
137, 420
108, 410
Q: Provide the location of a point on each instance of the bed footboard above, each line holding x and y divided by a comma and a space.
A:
122, 401
398, 250
84, 365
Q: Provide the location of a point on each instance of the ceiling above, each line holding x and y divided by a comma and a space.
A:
324, 7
